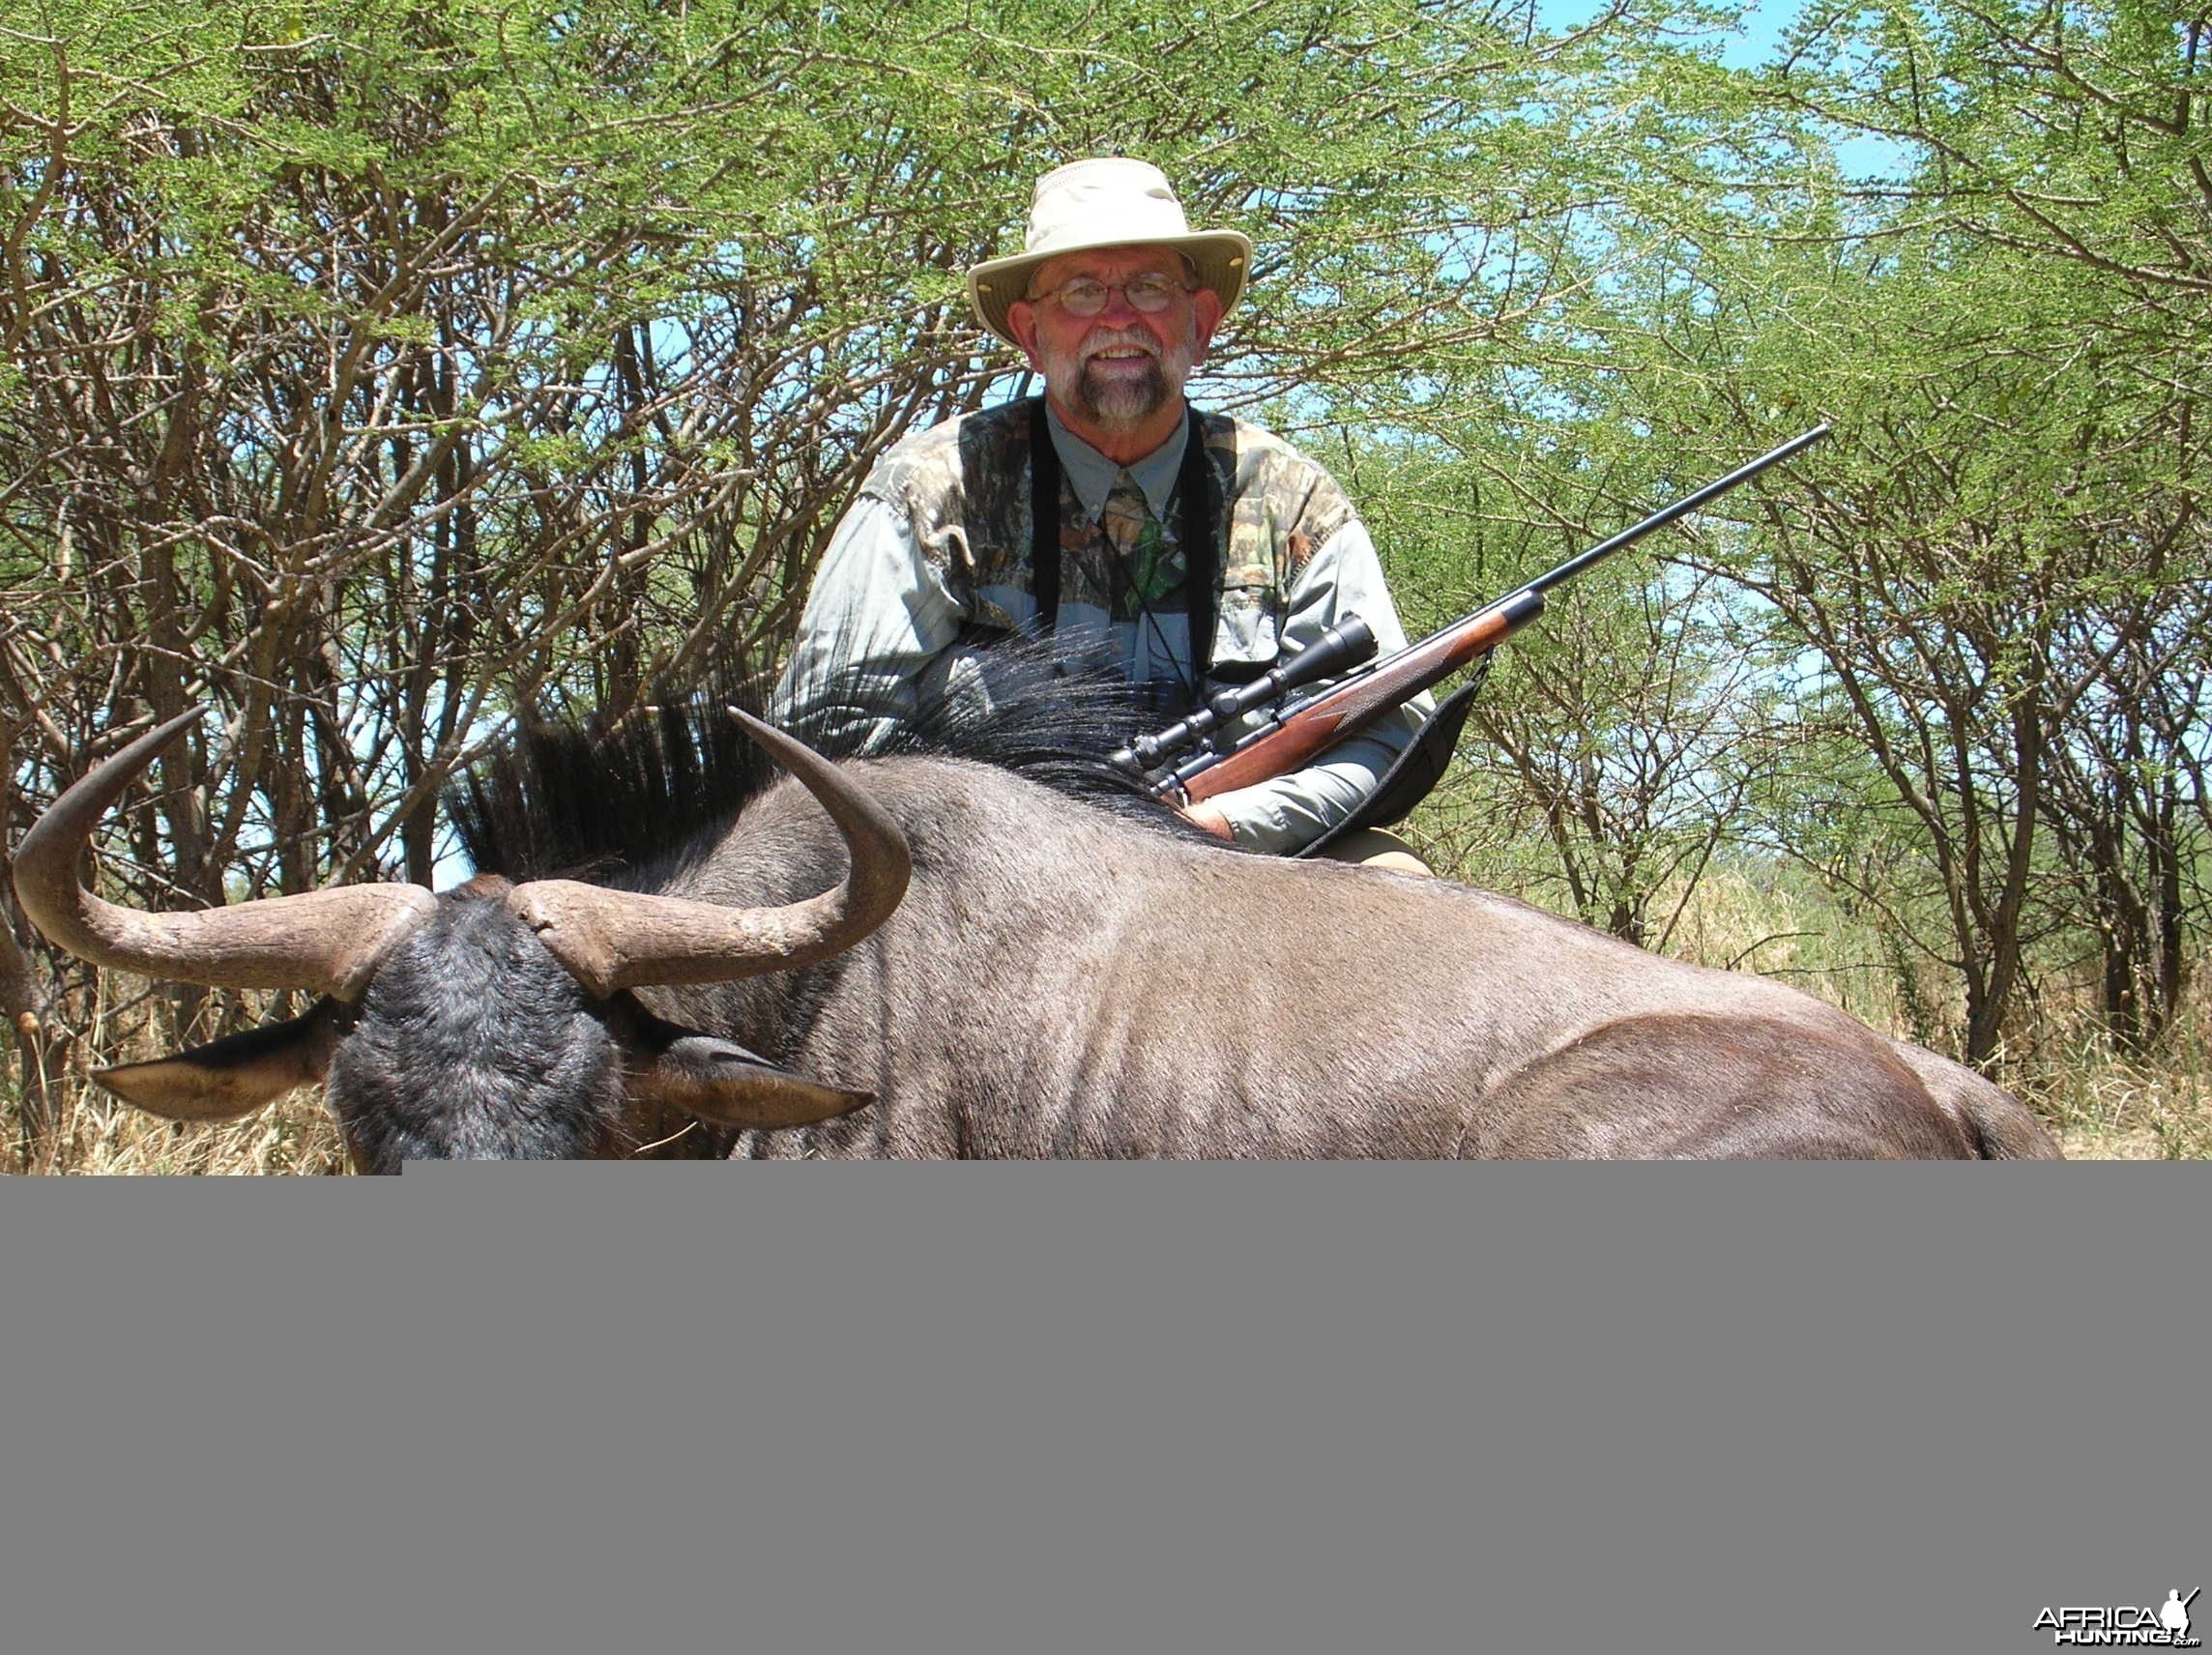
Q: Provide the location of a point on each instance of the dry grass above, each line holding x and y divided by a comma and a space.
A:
82, 1130
2103, 1105
2104, 1108
97, 1136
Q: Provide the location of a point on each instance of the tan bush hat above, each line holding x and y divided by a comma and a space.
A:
1107, 202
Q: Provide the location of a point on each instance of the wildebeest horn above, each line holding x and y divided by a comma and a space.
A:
616, 939
328, 940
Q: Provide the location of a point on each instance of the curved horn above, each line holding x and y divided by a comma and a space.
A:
614, 940
328, 940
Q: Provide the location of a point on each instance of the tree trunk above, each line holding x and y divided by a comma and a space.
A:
26, 998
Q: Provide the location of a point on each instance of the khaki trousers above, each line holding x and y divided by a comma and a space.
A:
1372, 848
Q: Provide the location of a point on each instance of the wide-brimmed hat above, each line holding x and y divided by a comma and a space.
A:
1107, 202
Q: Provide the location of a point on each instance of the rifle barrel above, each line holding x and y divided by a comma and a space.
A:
1318, 722
1681, 507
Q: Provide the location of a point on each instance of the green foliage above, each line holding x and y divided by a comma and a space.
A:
382, 372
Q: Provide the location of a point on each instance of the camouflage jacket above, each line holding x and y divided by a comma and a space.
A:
936, 551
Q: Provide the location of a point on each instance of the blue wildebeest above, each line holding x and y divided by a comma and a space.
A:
928, 955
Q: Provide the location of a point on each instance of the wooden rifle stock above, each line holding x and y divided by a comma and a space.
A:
1320, 722
1308, 728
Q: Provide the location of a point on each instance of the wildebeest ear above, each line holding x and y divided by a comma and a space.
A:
718, 1080
235, 1075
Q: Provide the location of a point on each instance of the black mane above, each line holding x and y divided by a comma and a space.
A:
596, 800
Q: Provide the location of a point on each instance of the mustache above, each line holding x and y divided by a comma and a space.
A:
1111, 338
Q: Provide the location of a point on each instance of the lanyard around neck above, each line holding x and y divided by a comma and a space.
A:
1195, 537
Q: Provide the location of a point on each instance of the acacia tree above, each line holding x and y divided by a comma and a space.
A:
1977, 581
1960, 561
1613, 748
2059, 158
383, 377
2125, 801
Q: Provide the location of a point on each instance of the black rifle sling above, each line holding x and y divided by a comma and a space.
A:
1201, 553
1044, 520
1196, 537
1412, 774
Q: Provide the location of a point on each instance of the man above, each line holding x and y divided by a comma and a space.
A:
1113, 301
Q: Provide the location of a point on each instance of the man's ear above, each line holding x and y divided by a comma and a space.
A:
235, 1075
718, 1080
1021, 322
1206, 317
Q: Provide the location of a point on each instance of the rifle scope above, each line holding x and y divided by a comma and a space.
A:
1344, 646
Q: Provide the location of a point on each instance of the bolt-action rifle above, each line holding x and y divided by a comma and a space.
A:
1298, 732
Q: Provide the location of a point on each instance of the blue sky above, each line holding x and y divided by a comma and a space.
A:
1763, 22
1759, 28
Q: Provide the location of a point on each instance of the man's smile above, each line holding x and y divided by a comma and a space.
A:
1121, 354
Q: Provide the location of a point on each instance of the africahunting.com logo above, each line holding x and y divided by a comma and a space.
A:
2123, 1626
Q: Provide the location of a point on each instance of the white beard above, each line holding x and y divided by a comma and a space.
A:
1117, 400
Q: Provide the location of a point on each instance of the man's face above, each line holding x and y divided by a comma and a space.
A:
1119, 369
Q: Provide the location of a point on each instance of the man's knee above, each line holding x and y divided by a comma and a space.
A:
1372, 848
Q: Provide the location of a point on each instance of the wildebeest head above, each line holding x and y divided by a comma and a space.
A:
494, 1021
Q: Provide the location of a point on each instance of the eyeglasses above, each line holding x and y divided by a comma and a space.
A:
1083, 296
